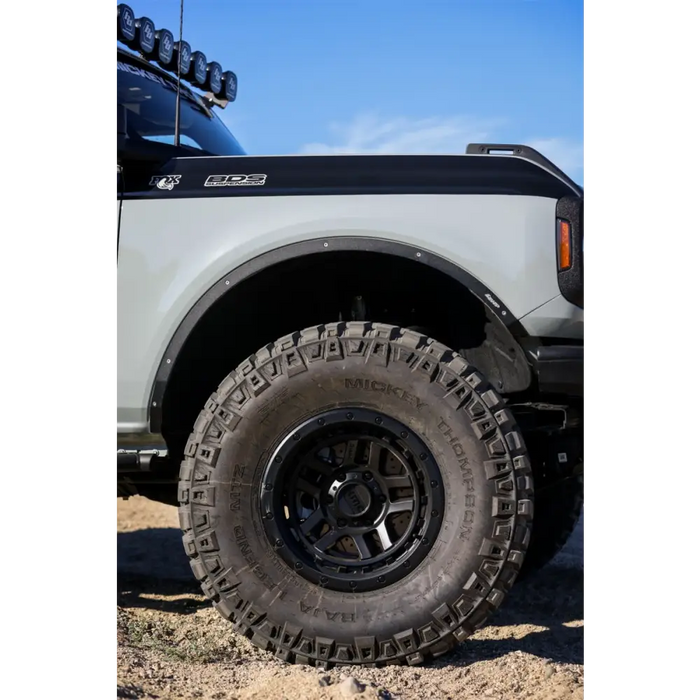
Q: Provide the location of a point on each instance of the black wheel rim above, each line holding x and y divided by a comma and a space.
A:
352, 500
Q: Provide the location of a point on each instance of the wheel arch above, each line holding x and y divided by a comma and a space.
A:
506, 322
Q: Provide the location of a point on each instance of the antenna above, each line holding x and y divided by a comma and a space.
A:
179, 68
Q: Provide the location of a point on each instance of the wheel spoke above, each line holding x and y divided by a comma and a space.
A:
310, 523
330, 538
308, 487
402, 481
374, 458
318, 465
384, 537
362, 547
351, 448
400, 506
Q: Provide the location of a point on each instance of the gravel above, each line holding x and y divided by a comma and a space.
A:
172, 645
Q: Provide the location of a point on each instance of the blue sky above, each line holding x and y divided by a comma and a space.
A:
394, 76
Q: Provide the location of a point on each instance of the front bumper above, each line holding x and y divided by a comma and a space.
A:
560, 369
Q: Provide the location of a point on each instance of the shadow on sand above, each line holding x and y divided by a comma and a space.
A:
151, 566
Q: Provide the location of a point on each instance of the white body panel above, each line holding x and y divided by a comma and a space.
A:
173, 250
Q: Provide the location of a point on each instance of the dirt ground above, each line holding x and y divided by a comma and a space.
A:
173, 645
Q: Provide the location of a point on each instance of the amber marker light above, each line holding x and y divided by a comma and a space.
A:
564, 244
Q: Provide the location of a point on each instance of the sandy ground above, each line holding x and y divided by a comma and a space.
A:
173, 645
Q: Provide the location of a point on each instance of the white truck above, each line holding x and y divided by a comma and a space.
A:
359, 378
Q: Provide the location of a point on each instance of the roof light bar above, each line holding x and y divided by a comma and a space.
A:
160, 46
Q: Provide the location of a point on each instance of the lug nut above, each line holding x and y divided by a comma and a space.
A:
342, 523
279, 543
367, 476
404, 434
298, 565
434, 513
321, 421
349, 416
382, 499
434, 484
268, 487
342, 477
378, 420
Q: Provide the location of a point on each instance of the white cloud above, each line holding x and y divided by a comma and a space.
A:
368, 133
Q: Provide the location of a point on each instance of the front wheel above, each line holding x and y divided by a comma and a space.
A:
356, 493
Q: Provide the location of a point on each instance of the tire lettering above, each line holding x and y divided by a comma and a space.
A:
236, 486
328, 614
454, 443
273, 404
465, 533
247, 552
383, 388
465, 527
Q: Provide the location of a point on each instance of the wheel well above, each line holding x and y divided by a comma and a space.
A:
323, 287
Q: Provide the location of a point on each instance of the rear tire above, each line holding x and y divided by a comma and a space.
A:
558, 513
356, 494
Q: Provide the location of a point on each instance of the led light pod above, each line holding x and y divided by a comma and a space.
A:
166, 47
230, 85
146, 35
126, 24
215, 71
184, 56
198, 67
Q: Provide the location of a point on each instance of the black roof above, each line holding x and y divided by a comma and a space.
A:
133, 58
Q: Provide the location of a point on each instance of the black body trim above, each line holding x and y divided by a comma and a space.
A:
297, 250
571, 281
349, 175
520, 151
560, 369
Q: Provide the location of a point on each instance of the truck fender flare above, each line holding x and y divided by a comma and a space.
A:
298, 250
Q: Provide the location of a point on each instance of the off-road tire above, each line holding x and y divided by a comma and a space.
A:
484, 531
558, 511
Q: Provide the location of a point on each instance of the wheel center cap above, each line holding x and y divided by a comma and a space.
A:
354, 500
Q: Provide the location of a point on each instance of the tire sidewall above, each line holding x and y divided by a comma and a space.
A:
472, 563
